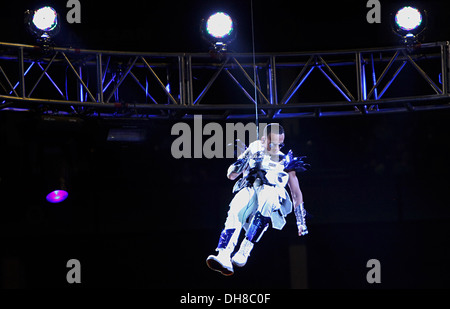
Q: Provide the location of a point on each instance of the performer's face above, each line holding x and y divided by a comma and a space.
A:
273, 143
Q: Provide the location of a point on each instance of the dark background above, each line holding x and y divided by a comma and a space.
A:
136, 217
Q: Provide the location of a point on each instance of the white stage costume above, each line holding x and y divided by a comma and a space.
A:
261, 199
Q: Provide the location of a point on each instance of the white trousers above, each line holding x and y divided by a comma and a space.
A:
266, 197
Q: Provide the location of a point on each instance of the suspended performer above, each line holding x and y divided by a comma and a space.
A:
260, 198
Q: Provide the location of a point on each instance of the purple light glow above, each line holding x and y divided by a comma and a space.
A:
57, 196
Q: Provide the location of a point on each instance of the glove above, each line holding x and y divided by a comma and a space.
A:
300, 214
295, 163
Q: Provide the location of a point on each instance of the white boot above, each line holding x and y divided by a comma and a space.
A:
240, 258
222, 261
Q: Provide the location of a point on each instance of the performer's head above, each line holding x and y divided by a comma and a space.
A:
273, 138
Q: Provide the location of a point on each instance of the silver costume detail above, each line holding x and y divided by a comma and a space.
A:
300, 215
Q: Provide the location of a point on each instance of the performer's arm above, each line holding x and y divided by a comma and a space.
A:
236, 168
297, 198
233, 176
294, 187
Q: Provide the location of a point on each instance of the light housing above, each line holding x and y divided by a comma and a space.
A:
409, 22
219, 29
42, 23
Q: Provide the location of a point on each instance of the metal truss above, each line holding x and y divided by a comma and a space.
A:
223, 86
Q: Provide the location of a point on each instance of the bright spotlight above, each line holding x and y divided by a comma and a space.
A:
409, 22
408, 18
57, 196
219, 30
219, 25
42, 23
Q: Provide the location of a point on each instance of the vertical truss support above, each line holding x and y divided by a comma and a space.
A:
182, 79
272, 80
21, 72
445, 52
100, 78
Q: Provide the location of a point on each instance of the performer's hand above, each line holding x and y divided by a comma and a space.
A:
302, 230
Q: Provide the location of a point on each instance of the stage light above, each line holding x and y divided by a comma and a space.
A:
56, 178
45, 19
219, 25
57, 196
42, 23
408, 18
127, 135
219, 30
408, 23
